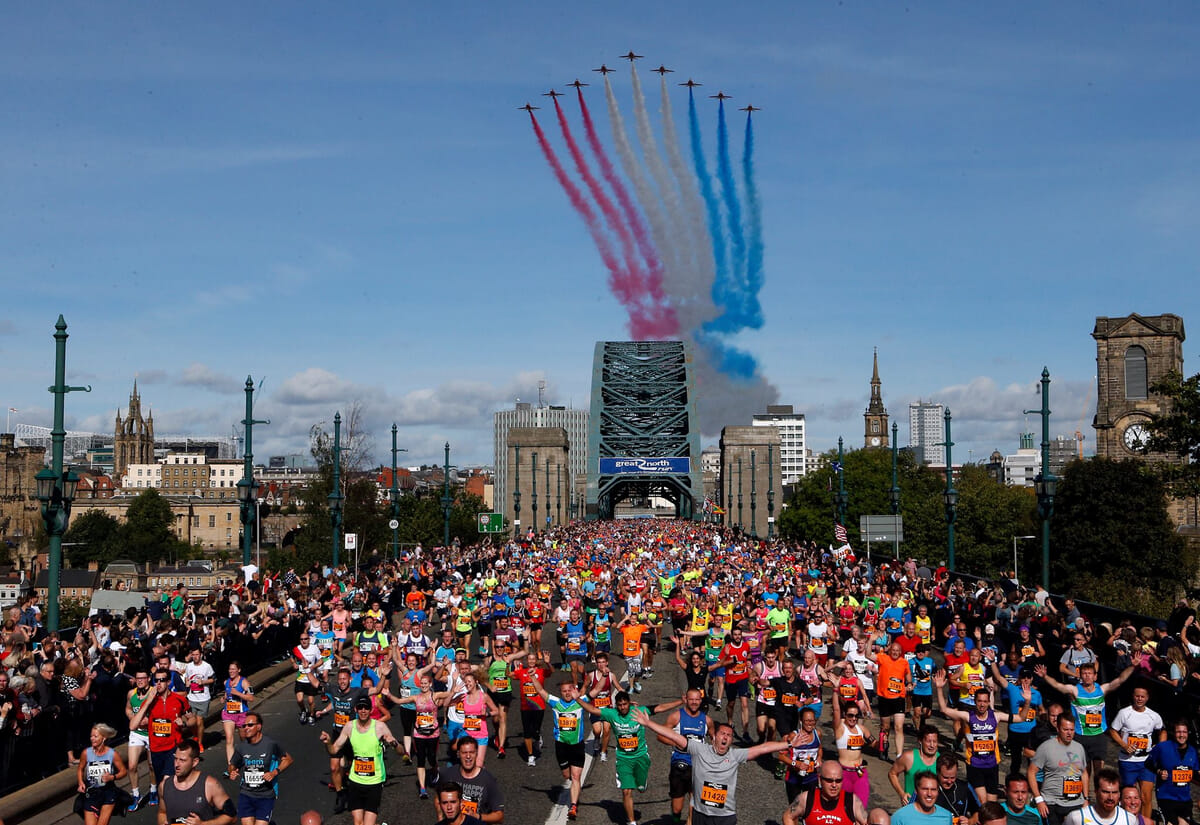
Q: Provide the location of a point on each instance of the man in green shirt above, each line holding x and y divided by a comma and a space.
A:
633, 758
779, 624
569, 736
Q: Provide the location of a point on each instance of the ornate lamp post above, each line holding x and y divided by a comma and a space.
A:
770, 491
517, 492
841, 499
1046, 483
894, 493
753, 496
533, 525
740, 522
547, 493
336, 497
246, 486
394, 495
951, 495
446, 500
55, 488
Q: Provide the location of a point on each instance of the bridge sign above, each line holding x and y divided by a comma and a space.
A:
645, 466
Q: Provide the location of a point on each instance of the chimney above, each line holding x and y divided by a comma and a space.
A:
93, 567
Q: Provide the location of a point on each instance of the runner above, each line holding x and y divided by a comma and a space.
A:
306, 657
162, 714
569, 736
804, 756
895, 683
692, 722
1087, 704
600, 686
237, 701
100, 766
425, 726
1136, 729
481, 794
1058, 773
189, 795
139, 739
983, 739
828, 804
198, 675
365, 738
850, 738
257, 762
714, 768
921, 759
342, 699
1174, 765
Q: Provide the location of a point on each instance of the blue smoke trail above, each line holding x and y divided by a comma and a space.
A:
742, 309
754, 255
720, 285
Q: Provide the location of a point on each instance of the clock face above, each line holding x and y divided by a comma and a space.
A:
875, 441
1136, 437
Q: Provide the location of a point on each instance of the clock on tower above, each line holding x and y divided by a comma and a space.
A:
875, 419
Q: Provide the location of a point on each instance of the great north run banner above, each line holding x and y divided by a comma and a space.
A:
644, 466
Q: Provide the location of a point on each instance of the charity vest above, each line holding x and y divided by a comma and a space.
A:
1088, 707
366, 767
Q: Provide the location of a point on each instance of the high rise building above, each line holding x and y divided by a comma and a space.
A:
927, 432
791, 439
525, 414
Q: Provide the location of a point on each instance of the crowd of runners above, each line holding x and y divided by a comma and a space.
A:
990, 702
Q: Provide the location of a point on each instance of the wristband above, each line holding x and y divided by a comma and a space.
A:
1038, 800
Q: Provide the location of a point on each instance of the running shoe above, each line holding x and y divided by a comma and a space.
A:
603, 756
152, 798
531, 761
573, 812
135, 804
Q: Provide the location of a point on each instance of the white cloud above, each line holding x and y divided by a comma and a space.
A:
201, 375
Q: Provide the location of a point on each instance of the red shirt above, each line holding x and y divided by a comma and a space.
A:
160, 722
526, 676
740, 668
908, 644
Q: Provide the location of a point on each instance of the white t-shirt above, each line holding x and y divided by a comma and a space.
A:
192, 673
1141, 726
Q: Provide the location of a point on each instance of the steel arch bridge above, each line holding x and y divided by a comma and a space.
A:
643, 433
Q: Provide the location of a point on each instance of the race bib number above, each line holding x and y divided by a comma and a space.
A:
195, 687
1072, 788
768, 694
572, 644
528, 689
473, 724
788, 700
500, 685
602, 701
1140, 744
984, 745
848, 691
96, 772
895, 685
739, 667
1181, 776
340, 719
854, 742
162, 727
714, 794
233, 706
470, 807
1029, 715
255, 779
426, 721
627, 743
364, 767
1092, 718
805, 765
568, 723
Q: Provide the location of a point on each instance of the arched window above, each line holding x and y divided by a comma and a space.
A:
1135, 372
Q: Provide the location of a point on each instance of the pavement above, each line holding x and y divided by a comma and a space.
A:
533, 794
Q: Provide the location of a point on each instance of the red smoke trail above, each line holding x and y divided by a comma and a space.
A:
640, 325
625, 282
654, 280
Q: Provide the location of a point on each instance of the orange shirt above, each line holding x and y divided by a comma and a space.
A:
631, 639
892, 676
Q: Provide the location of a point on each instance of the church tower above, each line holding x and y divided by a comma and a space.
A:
875, 419
133, 437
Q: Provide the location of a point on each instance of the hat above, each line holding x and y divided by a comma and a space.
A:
990, 629
1161, 625
117, 646
1026, 673
1023, 627
363, 702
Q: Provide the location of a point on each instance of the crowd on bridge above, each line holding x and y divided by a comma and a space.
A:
988, 701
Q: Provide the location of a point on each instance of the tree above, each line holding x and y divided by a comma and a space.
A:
1113, 541
1176, 432
989, 514
147, 534
93, 536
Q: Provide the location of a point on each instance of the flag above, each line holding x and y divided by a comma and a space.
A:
839, 532
13, 409
836, 466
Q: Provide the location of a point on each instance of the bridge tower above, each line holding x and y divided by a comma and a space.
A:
643, 433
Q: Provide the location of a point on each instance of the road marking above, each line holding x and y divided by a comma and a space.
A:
558, 814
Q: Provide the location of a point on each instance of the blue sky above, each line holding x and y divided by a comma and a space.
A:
343, 199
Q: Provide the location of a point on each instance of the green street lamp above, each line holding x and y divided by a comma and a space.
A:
770, 491
740, 522
1045, 483
56, 488
841, 499
394, 495
247, 486
894, 492
950, 496
753, 496
447, 501
517, 492
335, 496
